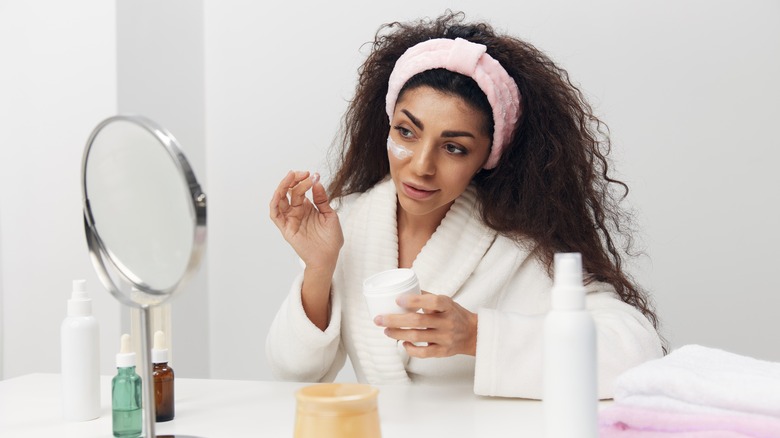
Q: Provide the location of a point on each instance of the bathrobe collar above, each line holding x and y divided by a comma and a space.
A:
442, 266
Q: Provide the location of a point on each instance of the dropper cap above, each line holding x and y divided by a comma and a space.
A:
79, 303
159, 352
568, 292
126, 357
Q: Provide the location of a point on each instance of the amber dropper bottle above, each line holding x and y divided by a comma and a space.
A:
163, 379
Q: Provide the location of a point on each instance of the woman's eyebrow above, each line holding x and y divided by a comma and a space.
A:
449, 134
414, 119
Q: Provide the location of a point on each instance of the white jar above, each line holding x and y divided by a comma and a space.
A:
381, 291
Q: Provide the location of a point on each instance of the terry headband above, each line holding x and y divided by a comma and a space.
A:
470, 59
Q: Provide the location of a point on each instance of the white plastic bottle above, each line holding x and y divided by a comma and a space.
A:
570, 395
80, 358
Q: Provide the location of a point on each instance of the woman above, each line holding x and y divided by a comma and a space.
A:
469, 157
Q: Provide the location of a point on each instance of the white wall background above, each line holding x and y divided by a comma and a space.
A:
688, 89
57, 80
161, 76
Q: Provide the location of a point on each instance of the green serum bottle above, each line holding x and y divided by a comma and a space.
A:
126, 414
163, 379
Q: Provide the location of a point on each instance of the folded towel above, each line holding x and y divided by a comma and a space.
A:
697, 379
627, 421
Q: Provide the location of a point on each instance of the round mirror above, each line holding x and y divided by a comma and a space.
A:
144, 212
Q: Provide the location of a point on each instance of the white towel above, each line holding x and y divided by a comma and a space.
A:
698, 379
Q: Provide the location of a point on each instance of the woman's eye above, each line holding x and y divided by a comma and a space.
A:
405, 133
455, 149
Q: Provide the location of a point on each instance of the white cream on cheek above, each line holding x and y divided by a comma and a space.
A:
397, 150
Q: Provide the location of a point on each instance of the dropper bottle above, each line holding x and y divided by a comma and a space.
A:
126, 395
163, 379
569, 395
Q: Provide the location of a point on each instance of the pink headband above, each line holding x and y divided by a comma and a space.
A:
470, 59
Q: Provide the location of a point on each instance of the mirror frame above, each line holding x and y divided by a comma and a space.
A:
98, 252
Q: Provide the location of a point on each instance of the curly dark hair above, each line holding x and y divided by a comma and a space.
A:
551, 185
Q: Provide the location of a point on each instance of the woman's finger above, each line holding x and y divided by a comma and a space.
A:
423, 351
276, 208
406, 320
319, 196
298, 191
418, 336
279, 204
429, 303
286, 182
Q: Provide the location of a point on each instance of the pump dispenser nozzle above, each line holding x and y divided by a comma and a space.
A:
79, 303
79, 290
568, 292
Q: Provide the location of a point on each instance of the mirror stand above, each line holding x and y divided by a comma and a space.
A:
145, 224
147, 379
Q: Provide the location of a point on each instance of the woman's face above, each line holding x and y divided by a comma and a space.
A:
448, 147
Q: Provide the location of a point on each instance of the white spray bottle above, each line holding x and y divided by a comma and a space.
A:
80, 358
569, 395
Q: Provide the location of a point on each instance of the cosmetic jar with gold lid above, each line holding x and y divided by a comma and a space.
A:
337, 410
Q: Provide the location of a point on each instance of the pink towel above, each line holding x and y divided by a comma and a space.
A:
626, 421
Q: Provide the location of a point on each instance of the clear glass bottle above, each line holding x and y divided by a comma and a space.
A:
126, 395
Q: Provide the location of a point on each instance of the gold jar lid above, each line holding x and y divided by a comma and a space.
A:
339, 399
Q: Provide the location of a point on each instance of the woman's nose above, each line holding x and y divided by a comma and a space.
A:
423, 161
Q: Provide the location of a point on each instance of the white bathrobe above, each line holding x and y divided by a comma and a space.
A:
484, 272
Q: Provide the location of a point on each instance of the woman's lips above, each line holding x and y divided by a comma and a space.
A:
416, 193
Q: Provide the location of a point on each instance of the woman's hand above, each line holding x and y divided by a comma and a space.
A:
445, 325
311, 228
314, 232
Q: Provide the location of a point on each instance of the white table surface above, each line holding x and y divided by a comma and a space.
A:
30, 406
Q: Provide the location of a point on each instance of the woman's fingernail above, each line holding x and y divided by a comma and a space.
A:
378, 320
315, 178
402, 301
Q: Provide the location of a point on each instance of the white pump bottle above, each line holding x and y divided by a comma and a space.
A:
569, 395
80, 358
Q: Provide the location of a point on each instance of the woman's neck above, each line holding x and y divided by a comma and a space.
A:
415, 231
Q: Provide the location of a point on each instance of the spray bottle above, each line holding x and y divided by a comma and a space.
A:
80, 357
569, 396
126, 394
